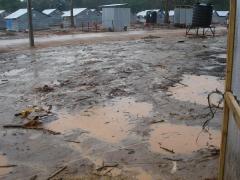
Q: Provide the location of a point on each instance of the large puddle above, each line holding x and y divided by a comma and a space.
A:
197, 88
181, 139
4, 162
109, 122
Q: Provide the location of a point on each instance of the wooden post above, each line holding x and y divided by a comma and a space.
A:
72, 17
30, 25
228, 88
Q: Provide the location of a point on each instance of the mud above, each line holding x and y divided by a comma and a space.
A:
110, 122
4, 170
182, 139
195, 89
112, 103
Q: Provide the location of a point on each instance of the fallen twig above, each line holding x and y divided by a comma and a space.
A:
173, 159
57, 172
107, 166
108, 171
12, 126
166, 149
155, 121
8, 166
72, 141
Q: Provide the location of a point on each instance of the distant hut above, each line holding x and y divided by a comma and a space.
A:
55, 16
2, 21
82, 17
183, 15
220, 17
96, 16
18, 21
133, 18
116, 17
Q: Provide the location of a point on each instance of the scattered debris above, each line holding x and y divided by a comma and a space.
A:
57, 172
130, 151
152, 37
117, 92
44, 89
181, 41
176, 82
34, 112
3, 81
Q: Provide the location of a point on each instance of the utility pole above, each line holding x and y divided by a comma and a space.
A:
72, 17
30, 25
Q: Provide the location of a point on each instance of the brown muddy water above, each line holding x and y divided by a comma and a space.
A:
182, 139
4, 162
109, 123
196, 88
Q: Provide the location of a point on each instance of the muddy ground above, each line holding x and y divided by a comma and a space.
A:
129, 109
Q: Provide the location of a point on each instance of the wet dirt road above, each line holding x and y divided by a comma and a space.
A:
125, 109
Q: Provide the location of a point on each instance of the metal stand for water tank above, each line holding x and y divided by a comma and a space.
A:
205, 30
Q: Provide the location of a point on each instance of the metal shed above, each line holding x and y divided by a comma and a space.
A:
183, 15
116, 17
55, 16
2, 21
82, 17
18, 21
220, 17
230, 148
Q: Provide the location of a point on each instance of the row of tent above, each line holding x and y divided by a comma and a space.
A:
219, 17
18, 20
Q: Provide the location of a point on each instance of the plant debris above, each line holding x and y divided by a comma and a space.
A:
166, 149
44, 89
57, 172
157, 121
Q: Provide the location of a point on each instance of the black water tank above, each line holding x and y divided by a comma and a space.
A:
151, 17
202, 15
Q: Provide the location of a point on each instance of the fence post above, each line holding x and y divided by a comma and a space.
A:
30, 25
228, 88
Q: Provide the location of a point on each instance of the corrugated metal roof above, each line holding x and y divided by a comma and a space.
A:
17, 14
114, 5
76, 11
222, 13
48, 11
2, 11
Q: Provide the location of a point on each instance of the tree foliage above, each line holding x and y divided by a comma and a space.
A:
135, 5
